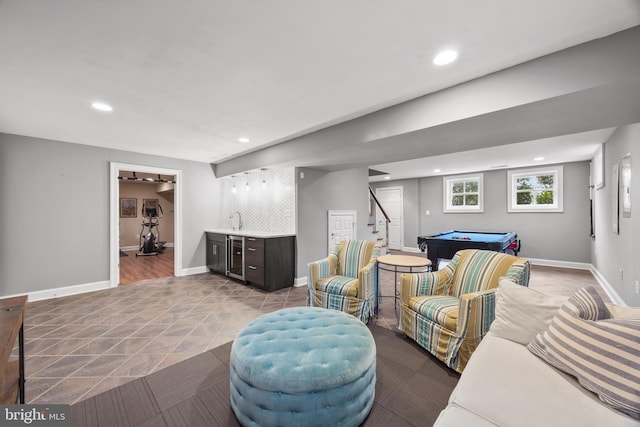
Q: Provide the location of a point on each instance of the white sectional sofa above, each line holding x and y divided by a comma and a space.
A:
504, 384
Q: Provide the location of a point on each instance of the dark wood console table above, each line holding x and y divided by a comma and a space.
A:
12, 327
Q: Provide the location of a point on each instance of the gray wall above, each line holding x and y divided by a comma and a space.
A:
54, 220
319, 192
614, 252
550, 236
410, 207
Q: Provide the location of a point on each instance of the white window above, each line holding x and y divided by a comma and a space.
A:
463, 193
535, 190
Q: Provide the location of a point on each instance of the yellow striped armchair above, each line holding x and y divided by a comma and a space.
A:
346, 279
449, 311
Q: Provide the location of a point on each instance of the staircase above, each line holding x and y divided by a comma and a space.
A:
379, 220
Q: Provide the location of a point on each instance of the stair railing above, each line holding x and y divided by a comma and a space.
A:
387, 220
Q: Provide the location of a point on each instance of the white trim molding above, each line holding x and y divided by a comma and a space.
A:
192, 271
563, 264
557, 189
447, 193
409, 249
65, 291
299, 282
604, 284
330, 245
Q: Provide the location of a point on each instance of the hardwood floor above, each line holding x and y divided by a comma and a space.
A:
136, 268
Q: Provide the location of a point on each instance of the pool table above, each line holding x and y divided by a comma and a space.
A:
445, 245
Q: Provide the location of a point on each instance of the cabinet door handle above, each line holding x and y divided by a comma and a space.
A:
214, 250
251, 249
251, 267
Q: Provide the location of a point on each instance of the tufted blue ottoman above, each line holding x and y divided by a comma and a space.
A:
303, 366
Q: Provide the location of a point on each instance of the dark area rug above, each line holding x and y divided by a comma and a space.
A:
412, 387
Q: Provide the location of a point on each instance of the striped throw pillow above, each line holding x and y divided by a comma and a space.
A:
602, 353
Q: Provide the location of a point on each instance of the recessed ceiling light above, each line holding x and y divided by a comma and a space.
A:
244, 140
537, 159
101, 106
436, 170
387, 177
445, 57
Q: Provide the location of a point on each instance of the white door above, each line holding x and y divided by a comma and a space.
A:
341, 226
391, 199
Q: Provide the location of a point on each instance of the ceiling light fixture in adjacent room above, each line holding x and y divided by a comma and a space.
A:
387, 177
244, 140
538, 159
101, 106
445, 57
436, 171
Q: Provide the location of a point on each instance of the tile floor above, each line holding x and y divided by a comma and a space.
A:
81, 345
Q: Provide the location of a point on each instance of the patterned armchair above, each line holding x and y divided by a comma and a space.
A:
449, 311
346, 279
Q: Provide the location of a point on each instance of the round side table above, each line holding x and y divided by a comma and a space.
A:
399, 261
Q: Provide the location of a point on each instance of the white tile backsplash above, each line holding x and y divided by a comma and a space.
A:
269, 209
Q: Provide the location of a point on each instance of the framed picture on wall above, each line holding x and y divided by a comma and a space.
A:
128, 208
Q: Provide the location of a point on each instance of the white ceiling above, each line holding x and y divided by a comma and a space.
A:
187, 79
562, 149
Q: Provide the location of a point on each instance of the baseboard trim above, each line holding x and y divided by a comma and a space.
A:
410, 249
90, 287
302, 281
192, 270
606, 287
562, 264
67, 291
604, 284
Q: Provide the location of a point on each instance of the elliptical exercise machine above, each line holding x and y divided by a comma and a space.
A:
150, 243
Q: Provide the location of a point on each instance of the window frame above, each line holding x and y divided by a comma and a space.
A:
558, 195
447, 185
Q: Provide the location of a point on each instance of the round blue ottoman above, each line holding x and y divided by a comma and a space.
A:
303, 366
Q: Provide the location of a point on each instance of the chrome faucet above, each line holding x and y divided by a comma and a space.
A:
239, 220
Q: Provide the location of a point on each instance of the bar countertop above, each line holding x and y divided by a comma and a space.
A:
249, 233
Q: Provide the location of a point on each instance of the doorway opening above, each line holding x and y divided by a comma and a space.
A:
132, 187
146, 225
